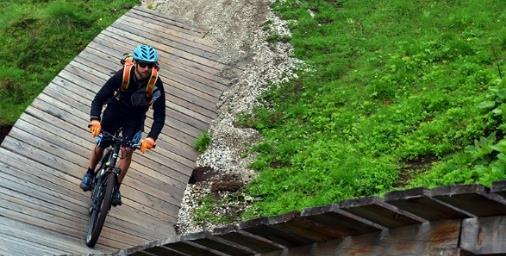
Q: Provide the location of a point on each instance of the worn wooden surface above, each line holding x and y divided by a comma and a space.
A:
484, 235
449, 220
42, 208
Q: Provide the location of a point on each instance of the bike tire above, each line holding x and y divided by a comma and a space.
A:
97, 218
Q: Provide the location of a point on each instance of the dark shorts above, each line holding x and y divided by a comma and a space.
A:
114, 119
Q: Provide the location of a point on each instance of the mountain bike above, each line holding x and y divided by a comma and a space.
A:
104, 183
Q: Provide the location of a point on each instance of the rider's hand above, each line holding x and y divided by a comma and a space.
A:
147, 144
95, 127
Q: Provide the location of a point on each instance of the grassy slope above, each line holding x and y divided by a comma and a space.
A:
39, 38
402, 93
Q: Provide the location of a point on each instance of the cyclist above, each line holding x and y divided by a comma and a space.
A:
126, 109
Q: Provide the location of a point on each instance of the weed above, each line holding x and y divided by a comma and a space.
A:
202, 142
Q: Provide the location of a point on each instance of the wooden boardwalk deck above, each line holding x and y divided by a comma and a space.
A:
42, 208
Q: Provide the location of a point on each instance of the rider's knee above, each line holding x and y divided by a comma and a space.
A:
126, 152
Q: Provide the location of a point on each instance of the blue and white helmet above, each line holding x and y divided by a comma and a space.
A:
145, 53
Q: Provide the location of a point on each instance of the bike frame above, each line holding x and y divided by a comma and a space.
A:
103, 186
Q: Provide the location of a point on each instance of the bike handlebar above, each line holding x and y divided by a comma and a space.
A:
122, 141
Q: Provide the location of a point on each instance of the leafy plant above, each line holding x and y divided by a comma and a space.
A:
202, 142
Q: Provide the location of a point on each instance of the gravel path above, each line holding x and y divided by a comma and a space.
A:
239, 28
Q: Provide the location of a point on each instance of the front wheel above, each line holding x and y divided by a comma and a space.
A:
101, 204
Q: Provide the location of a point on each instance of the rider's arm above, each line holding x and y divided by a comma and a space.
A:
158, 110
105, 93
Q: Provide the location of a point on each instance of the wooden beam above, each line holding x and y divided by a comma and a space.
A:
419, 202
474, 199
484, 236
376, 210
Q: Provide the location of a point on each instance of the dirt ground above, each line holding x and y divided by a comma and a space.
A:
239, 28
4, 130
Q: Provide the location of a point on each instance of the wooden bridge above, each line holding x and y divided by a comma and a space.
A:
42, 209
458, 220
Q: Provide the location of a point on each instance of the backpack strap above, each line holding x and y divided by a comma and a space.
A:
127, 68
152, 82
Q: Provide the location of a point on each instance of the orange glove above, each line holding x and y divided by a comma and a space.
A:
147, 144
95, 127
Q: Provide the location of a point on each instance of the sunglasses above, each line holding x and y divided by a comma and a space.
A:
144, 64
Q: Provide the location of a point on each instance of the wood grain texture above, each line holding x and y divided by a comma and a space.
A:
42, 160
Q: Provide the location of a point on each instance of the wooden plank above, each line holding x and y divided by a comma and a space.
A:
198, 92
63, 165
170, 143
83, 200
191, 121
192, 101
255, 243
73, 232
73, 227
56, 202
133, 27
71, 202
187, 109
174, 155
186, 61
50, 208
340, 221
81, 174
474, 199
173, 166
419, 202
262, 227
47, 159
189, 112
51, 92
224, 246
188, 28
167, 69
160, 27
193, 249
189, 101
162, 251
64, 215
57, 111
167, 59
377, 211
484, 236
48, 117
304, 228
18, 246
207, 239
85, 93
424, 239
122, 32
48, 237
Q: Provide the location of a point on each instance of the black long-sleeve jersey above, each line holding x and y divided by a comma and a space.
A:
126, 102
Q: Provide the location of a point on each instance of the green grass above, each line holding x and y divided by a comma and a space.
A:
39, 38
403, 94
202, 142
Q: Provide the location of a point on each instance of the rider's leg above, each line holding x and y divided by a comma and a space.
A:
124, 162
134, 131
87, 181
96, 155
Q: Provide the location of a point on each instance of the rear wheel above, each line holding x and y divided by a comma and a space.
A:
101, 204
